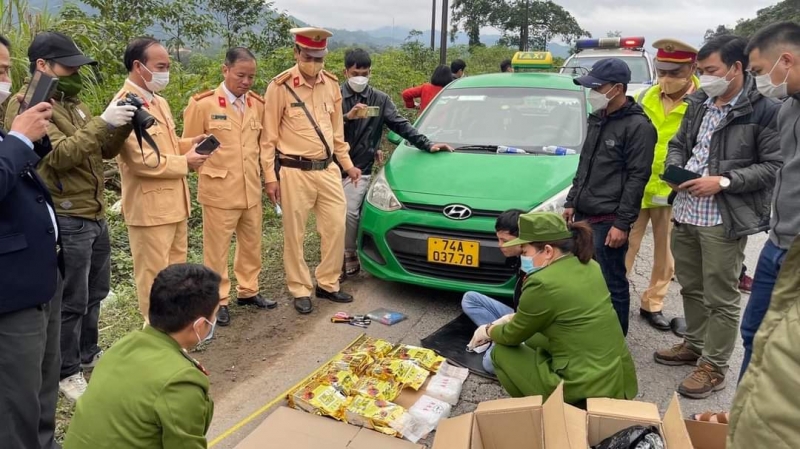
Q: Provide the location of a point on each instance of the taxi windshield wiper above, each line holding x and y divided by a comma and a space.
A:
478, 147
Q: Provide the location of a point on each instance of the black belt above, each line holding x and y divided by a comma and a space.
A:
305, 164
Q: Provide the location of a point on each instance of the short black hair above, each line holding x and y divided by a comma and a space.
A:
137, 51
457, 66
775, 34
181, 294
730, 48
358, 58
505, 65
442, 76
5, 42
236, 54
509, 221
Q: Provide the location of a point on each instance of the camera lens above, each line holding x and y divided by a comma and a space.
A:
143, 118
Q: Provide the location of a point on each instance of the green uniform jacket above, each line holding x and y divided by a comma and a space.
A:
570, 332
766, 412
73, 171
657, 191
145, 392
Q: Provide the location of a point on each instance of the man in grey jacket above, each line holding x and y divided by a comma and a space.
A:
775, 57
729, 137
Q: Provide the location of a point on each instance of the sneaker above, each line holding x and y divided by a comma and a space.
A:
73, 386
705, 380
677, 355
93, 362
746, 284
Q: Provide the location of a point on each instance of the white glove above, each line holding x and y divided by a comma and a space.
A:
503, 319
117, 116
479, 338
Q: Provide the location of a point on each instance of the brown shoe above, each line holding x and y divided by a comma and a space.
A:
705, 380
677, 355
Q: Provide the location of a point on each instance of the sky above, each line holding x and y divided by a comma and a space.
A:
682, 19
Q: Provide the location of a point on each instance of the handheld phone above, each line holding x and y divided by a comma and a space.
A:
41, 88
373, 111
676, 175
208, 145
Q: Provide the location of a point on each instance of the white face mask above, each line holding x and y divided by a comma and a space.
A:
767, 88
5, 91
599, 101
358, 83
210, 333
159, 81
714, 86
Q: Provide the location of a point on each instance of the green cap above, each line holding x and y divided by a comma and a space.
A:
540, 227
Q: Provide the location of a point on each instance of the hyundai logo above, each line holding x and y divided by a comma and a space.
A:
457, 212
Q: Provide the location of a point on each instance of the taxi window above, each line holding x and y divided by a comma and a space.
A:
640, 73
526, 118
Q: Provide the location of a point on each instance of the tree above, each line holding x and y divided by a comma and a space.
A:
782, 11
616, 33
531, 24
721, 30
253, 24
471, 16
185, 24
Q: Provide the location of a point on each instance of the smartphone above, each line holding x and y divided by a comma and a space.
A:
208, 145
373, 111
41, 88
676, 175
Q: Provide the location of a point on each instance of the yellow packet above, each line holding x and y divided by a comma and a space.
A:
373, 414
344, 380
370, 387
375, 347
425, 358
356, 362
404, 372
320, 399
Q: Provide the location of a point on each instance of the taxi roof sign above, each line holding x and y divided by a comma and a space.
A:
532, 60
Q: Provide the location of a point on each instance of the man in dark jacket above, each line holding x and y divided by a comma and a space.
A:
615, 164
366, 110
730, 139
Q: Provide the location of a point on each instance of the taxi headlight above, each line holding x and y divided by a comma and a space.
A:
381, 196
554, 204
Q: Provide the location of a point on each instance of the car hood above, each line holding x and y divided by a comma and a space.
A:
491, 181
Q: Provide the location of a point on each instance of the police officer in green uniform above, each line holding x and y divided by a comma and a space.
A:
146, 391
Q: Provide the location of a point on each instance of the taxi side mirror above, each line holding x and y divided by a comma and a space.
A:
394, 138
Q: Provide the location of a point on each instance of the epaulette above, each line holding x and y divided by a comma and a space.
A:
256, 96
282, 78
330, 75
202, 95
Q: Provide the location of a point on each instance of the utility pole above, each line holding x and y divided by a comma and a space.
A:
443, 49
433, 25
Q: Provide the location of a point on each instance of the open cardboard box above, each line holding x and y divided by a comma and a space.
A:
707, 435
287, 428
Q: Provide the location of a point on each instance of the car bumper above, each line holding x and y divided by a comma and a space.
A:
393, 246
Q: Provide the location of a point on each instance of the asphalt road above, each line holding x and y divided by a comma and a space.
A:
313, 340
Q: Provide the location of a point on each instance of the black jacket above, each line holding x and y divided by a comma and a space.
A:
364, 135
29, 262
745, 147
615, 164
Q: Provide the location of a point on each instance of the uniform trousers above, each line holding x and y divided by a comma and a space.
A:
663, 263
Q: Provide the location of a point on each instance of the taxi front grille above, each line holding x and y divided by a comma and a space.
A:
440, 210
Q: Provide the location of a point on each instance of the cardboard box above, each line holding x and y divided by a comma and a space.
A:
707, 435
287, 428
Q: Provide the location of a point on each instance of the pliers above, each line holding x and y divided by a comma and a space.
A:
354, 320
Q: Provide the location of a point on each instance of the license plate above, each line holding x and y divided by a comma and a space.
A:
464, 253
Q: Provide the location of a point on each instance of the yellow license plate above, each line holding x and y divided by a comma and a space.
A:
464, 253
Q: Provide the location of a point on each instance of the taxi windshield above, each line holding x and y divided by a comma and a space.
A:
640, 73
520, 117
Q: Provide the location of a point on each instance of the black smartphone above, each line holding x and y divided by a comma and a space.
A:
208, 145
41, 88
676, 175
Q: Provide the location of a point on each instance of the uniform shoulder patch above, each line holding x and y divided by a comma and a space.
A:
282, 78
202, 95
330, 75
255, 96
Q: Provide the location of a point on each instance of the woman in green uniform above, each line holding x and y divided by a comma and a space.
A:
565, 328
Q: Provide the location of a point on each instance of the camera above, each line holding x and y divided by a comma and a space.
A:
141, 118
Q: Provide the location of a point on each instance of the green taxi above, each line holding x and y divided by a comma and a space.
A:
428, 219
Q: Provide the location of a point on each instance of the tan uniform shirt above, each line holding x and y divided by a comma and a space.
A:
230, 178
160, 195
288, 130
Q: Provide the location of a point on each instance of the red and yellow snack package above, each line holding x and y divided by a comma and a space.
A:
370, 387
425, 358
405, 372
319, 399
373, 414
375, 347
344, 380
356, 362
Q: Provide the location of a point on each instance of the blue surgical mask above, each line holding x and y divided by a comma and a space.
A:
527, 265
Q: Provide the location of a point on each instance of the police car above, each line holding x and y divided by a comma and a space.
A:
629, 49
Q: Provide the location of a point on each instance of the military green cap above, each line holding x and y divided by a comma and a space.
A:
540, 227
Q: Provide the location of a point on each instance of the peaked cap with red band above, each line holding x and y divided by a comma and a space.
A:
673, 54
313, 40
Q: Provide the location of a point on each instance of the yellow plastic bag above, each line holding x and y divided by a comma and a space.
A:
375, 347
425, 358
373, 414
370, 387
344, 380
320, 399
405, 372
356, 362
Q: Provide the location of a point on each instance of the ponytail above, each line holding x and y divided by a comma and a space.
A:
583, 247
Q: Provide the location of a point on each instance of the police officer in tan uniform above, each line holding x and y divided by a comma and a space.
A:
155, 195
303, 127
229, 186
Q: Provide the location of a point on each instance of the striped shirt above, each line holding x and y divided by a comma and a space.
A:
688, 209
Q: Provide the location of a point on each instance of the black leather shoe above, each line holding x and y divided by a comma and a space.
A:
656, 319
258, 301
339, 296
223, 316
303, 305
678, 326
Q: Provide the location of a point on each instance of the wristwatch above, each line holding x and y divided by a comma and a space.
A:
724, 182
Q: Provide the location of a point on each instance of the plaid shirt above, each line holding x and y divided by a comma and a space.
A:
688, 209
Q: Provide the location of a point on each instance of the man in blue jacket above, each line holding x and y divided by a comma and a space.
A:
30, 301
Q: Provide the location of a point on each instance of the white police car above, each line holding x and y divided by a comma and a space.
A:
629, 49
